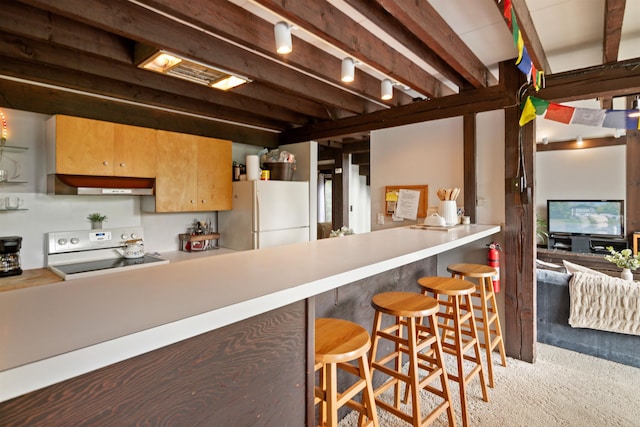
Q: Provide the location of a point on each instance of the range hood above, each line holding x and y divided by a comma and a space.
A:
60, 184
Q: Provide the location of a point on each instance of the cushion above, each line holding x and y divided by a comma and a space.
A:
543, 265
574, 268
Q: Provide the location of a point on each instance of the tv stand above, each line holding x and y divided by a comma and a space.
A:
585, 244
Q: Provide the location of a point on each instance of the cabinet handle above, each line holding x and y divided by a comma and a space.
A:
204, 201
193, 201
105, 163
122, 165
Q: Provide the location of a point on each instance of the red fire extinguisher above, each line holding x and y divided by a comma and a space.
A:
493, 259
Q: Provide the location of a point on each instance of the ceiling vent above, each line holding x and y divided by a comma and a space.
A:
173, 65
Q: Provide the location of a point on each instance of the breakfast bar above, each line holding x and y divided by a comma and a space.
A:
207, 340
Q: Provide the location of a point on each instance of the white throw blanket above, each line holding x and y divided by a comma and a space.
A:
605, 303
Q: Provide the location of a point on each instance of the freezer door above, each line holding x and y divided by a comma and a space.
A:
269, 239
281, 205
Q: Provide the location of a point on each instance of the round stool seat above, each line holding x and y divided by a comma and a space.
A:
472, 270
339, 340
447, 285
406, 304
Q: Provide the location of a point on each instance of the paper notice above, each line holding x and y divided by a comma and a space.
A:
407, 206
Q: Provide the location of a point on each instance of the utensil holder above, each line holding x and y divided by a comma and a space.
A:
449, 211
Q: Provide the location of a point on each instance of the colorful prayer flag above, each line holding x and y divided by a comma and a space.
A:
588, 116
616, 119
559, 113
532, 107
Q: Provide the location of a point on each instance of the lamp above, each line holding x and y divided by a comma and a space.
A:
386, 89
348, 70
282, 32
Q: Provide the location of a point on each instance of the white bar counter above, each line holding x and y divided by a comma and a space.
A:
54, 332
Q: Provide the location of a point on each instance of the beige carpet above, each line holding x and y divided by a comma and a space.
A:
562, 388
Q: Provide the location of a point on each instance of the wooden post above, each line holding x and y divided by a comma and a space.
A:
470, 167
519, 230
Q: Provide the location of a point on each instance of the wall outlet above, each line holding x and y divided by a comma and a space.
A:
380, 218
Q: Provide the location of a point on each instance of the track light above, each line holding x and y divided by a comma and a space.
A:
348, 70
282, 32
386, 89
579, 141
545, 140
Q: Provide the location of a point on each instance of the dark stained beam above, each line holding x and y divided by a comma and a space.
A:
327, 22
423, 20
357, 147
470, 166
139, 24
377, 15
606, 141
43, 100
529, 34
235, 23
476, 100
619, 79
360, 159
613, 16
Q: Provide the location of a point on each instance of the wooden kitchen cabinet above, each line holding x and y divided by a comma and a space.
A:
79, 146
194, 173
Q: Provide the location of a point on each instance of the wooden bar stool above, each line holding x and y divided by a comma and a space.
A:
421, 342
487, 317
338, 342
459, 332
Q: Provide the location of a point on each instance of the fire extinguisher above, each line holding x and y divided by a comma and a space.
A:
493, 259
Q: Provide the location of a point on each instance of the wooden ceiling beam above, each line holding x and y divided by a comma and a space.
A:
360, 159
328, 23
472, 101
421, 19
381, 18
44, 100
613, 80
529, 34
357, 147
142, 25
237, 24
110, 77
613, 16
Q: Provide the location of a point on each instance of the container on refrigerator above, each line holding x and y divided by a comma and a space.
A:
265, 214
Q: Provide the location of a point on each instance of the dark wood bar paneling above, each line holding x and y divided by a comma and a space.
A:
251, 373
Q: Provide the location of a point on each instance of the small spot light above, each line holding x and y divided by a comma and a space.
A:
283, 37
348, 70
545, 140
386, 88
579, 141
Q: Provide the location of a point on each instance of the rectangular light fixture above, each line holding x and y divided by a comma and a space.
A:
173, 65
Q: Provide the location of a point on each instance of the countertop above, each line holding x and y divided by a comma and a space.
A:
59, 331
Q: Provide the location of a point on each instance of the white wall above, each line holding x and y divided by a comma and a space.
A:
594, 173
428, 153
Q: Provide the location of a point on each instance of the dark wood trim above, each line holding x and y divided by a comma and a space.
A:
519, 236
633, 182
606, 141
613, 17
249, 373
470, 166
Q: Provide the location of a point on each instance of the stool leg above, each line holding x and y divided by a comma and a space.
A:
439, 357
332, 394
367, 394
413, 370
494, 304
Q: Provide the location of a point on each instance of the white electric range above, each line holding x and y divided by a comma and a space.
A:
85, 253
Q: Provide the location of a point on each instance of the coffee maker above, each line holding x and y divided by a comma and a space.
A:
10, 256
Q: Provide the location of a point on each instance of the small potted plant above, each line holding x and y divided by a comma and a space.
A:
624, 260
96, 220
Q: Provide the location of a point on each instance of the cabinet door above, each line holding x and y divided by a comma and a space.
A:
83, 146
214, 174
176, 181
134, 151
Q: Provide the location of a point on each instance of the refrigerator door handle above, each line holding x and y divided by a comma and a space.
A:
256, 235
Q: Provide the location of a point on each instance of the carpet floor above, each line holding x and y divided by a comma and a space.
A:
562, 388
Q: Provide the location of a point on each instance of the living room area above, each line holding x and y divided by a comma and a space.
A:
576, 285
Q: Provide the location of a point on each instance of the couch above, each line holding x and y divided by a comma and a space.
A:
553, 327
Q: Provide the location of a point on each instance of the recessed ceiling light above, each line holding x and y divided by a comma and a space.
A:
228, 83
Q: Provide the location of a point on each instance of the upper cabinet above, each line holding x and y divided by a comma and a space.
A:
194, 173
78, 146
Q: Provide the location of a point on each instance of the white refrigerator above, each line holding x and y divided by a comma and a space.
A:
265, 214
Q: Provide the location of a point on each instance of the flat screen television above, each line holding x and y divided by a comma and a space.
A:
600, 218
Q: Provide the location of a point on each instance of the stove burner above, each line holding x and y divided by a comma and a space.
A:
105, 264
